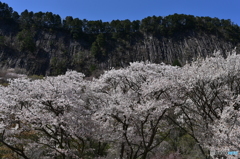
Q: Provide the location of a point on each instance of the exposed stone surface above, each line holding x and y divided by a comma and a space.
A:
57, 51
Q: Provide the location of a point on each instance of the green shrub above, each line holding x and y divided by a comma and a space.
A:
26, 41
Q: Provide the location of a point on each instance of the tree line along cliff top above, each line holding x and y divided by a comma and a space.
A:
156, 25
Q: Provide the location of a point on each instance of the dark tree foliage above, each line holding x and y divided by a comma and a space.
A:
76, 29
26, 19
15, 16
135, 25
52, 20
158, 26
2, 41
5, 11
98, 48
26, 41
176, 63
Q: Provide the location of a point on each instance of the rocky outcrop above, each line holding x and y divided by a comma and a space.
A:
183, 49
56, 51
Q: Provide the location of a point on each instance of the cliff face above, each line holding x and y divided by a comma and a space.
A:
184, 48
181, 48
52, 52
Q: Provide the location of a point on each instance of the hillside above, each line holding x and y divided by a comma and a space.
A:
45, 44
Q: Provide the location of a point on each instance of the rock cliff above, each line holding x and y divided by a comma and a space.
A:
51, 52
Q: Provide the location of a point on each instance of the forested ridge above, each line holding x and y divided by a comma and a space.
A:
47, 44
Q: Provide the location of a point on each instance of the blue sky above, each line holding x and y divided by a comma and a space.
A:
108, 10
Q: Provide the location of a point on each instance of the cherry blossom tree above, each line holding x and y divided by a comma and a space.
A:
133, 103
50, 116
226, 129
209, 87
